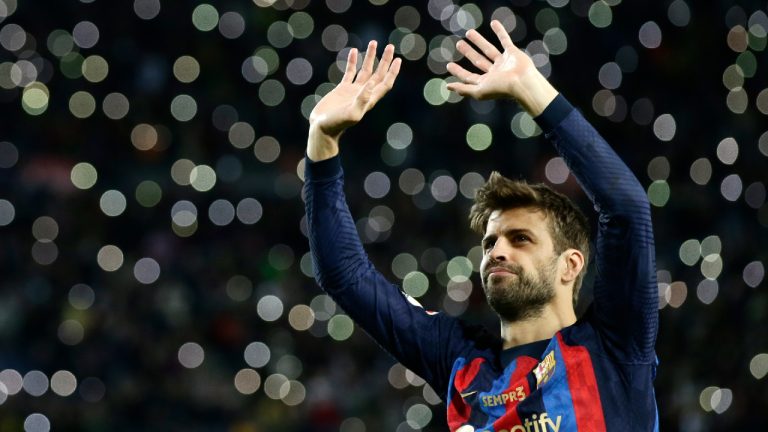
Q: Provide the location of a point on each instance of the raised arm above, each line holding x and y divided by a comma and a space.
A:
625, 292
419, 340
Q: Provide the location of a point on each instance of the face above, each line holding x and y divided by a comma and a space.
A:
519, 264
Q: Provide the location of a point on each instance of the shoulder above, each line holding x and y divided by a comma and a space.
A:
475, 341
589, 335
585, 333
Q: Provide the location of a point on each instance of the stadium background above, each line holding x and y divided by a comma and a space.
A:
153, 258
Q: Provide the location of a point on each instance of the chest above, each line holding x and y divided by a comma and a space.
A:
544, 394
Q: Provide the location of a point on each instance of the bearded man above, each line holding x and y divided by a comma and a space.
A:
549, 371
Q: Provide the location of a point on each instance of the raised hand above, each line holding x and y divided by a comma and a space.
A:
348, 102
507, 74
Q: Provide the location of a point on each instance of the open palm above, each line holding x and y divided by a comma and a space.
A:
501, 71
357, 92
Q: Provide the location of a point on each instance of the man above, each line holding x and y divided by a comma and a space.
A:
549, 371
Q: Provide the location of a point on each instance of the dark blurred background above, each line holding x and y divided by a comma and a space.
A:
154, 272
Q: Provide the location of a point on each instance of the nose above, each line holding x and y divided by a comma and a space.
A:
501, 250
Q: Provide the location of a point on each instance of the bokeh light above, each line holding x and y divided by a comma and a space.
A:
753, 274
148, 193
63, 383
191, 355
85, 34
650, 35
415, 284
82, 104
205, 17
701, 171
247, 381
479, 137
665, 127
146, 9
95, 68
12, 380
81, 296
9, 154
110, 258
112, 203
71, 332
146, 271
600, 14
269, 308
35, 98
186, 69
37, 422
249, 211
556, 170
35, 383
202, 178
340, 327
679, 13
758, 366
231, 25
183, 108
115, 106
221, 212
301, 317
92, 389
257, 354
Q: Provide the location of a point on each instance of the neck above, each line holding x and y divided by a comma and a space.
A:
552, 319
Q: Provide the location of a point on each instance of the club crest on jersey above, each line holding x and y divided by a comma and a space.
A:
545, 369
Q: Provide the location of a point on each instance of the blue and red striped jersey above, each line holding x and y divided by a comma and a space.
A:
595, 375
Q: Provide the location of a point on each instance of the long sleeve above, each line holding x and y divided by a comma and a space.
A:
425, 342
625, 307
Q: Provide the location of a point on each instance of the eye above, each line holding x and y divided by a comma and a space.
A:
521, 238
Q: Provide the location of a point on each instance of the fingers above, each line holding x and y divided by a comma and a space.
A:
462, 74
387, 69
472, 55
378, 89
386, 61
375, 85
370, 57
461, 88
490, 51
502, 34
468, 86
394, 70
349, 72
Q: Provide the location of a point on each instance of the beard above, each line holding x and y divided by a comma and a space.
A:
520, 296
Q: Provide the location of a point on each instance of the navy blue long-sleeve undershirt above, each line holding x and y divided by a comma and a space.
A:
594, 375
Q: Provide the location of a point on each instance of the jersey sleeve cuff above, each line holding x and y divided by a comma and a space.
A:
322, 170
554, 113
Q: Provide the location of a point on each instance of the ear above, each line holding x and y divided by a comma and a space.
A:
574, 264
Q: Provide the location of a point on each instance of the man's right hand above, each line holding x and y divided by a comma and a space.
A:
346, 104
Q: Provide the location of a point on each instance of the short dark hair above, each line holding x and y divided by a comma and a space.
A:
567, 224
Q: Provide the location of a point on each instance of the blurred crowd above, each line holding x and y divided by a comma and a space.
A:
154, 267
